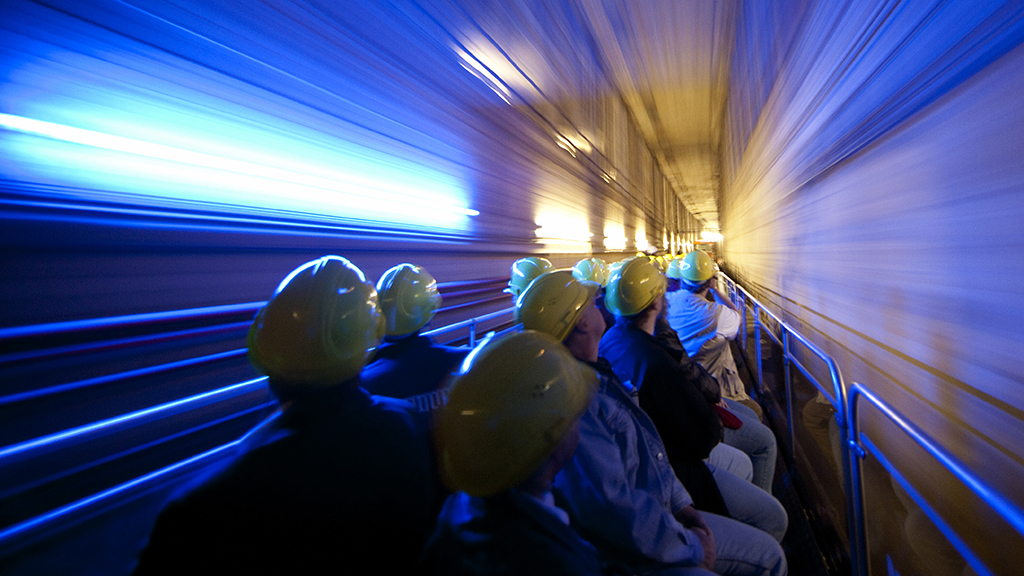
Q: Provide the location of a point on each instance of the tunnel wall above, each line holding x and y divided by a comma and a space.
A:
158, 157
480, 107
873, 195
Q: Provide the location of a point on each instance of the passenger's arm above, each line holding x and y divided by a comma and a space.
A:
598, 486
728, 322
721, 298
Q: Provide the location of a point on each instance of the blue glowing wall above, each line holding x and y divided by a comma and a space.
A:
159, 105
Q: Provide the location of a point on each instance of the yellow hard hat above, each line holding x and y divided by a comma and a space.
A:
554, 302
634, 287
591, 270
318, 327
673, 268
517, 397
615, 266
696, 266
408, 298
524, 271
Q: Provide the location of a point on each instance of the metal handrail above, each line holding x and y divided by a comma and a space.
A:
856, 445
470, 323
838, 397
860, 444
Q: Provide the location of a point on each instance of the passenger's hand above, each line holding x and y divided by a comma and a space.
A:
690, 518
707, 542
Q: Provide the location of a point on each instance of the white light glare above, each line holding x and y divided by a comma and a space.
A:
640, 239
557, 228
372, 192
614, 236
708, 236
566, 145
615, 243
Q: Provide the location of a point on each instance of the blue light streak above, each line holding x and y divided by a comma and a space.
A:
100, 496
111, 322
36, 482
121, 343
58, 513
365, 190
58, 437
138, 372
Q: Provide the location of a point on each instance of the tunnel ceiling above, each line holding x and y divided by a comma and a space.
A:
670, 62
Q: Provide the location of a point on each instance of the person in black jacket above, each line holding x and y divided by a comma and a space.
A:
669, 391
680, 396
340, 481
408, 364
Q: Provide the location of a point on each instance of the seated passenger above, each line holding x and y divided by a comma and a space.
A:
596, 270
704, 328
524, 271
680, 398
619, 487
511, 424
669, 391
591, 270
339, 481
409, 364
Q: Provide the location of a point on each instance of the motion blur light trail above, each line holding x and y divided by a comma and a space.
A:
209, 179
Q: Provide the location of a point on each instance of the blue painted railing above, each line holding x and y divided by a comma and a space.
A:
857, 445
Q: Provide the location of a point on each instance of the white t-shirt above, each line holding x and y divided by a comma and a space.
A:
697, 320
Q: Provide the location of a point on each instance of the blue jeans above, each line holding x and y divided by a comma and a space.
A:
741, 550
757, 441
732, 460
751, 505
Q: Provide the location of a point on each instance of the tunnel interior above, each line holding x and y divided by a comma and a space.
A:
856, 166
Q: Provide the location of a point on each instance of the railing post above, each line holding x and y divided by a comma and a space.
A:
853, 461
757, 348
472, 333
743, 306
789, 394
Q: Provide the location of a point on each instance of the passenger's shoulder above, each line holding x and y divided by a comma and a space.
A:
394, 407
